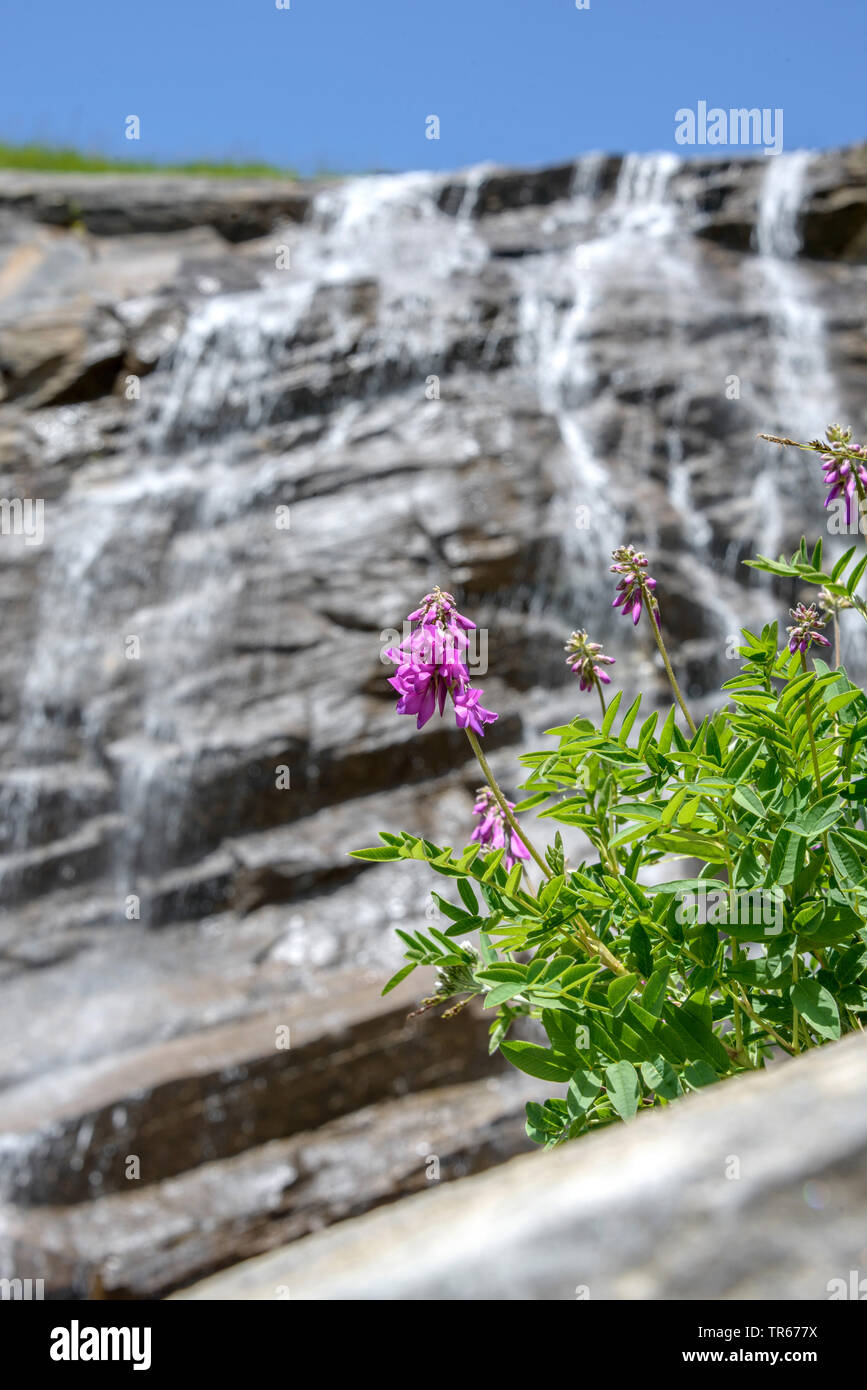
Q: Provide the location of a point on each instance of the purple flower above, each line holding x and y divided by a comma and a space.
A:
635, 587
842, 473
469, 713
494, 831
586, 659
431, 667
805, 630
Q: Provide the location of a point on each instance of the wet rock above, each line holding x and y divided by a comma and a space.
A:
216, 1094
116, 205
485, 380
147, 1241
710, 1199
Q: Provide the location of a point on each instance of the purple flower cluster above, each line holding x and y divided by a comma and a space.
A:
843, 475
494, 831
587, 659
635, 588
431, 667
805, 630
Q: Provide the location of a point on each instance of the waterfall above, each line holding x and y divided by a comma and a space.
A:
487, 379
599, 315
803, 395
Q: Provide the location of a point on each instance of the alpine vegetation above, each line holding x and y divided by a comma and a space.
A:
719, 916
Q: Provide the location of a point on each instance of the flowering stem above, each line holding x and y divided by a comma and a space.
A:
651, 617
501, 800
809, 717
598, 685
853, 456
796, 1026
862, 502
586, 936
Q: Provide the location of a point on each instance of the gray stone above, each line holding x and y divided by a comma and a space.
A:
447, 368
754, 1189
156, 1237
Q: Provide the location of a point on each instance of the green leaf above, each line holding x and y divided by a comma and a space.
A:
653, 997
674, 805
712, 745
492, 863
552, 890
817, 1006
456, 914
854, 578
378, 852
530, 801
700, 1042
787, 854
624, 1088
513, 882
500, 993
543, 1125
746, 797
848, 866
536, 1061
841, 564
742, 759
660, 1077
645, 733
663, 743
699, 1074
401, 975
826, 924
610, 714
838, 702
629, 720
818, 818
639, 944
653, 1034
620, 988
583, 1089
469, 897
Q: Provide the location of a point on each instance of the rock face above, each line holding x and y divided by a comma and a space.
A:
710, 1199
242, 430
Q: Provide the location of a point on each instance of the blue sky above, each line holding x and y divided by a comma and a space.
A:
347, 84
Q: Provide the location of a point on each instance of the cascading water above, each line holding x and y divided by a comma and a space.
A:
427, 379
610, 324
803, 389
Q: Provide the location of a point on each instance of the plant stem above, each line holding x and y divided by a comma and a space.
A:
818, 448
809, 717
502, 802
739, 1027
598, 685
795, 1020
664, 654
587, 937
862, 500
766, 1027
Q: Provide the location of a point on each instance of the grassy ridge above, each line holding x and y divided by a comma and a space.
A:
68, 161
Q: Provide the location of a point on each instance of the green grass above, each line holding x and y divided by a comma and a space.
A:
67, 161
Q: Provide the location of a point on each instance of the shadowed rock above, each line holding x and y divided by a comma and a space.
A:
747, 1191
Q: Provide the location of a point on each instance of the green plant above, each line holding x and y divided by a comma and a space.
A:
648, 985
62, 159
